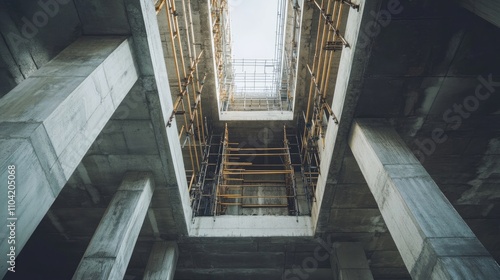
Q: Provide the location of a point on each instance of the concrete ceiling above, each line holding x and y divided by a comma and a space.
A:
425, 60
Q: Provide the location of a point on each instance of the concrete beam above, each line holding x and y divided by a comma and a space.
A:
486, 9
148, 44
256, 116
251, 226
111, 247
434, 241
49, 121
162, 261
349, 262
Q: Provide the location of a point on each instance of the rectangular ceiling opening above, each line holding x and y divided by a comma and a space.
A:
242, 179
256, 52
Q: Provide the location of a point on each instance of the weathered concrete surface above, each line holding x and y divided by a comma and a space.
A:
428, 58
442, 56
251, 226
33, 33
111, 247
162, 261
349, 262
347, 90
49, 121
253, 257
487, 9
102, 18
148, 46
434, 241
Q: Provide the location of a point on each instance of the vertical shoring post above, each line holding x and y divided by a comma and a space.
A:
190, 79
291, 175
172, 41
170, 11
330, 20
337, 27
217, 173
321, 71
193, 67
328, 56
184, 86
199, 86
316, 65
221, 180
204, 127
327, 63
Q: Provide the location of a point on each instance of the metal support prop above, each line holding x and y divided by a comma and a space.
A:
290, 182
329, 41
236, 173
187, 105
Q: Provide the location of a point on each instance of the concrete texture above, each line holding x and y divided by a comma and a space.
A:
148, 45
425, 226
349, 262
162, 261
50, 120
32, 35
111, 247
429, 56
487, 9
347, 91
251, 226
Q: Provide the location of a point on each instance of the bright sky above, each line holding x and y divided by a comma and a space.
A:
253, 28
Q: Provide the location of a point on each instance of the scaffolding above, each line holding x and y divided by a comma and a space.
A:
203, 194
244, 180
192, 130
291, 55
256, 84
222, 175
222, 44
329, 41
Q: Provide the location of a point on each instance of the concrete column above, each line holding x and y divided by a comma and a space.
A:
49, 121
349, 262
434, 241
111, 247
162, 261
486, 9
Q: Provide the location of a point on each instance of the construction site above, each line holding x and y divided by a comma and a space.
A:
136, 144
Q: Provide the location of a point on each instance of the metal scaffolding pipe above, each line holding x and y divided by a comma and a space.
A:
187, 79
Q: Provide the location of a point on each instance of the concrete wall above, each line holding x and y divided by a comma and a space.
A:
33, 33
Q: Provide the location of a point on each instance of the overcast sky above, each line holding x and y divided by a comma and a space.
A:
253, 28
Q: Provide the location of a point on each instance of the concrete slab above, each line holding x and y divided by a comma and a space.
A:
251, 226
256, 116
